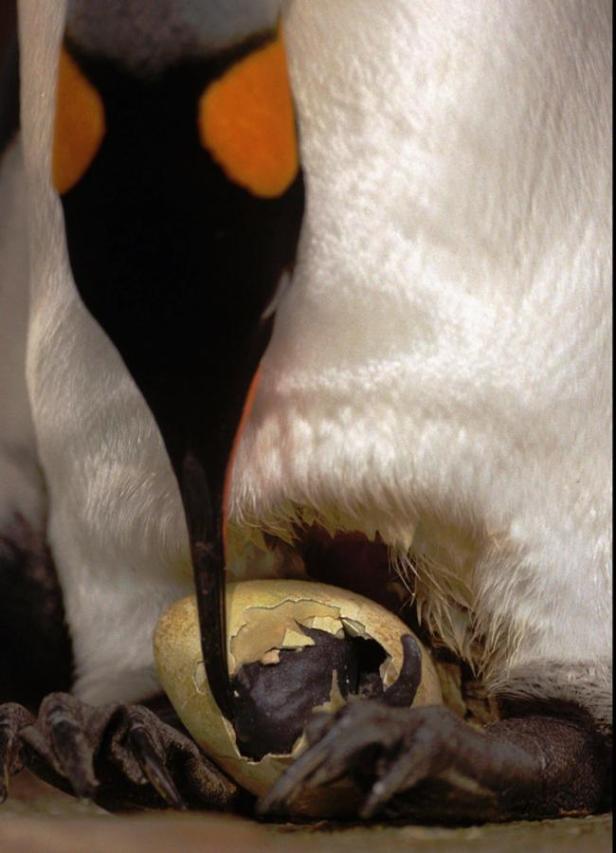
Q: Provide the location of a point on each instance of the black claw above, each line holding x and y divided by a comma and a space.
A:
152, 765
402, 693
404, 774
358, 736
72, 750
326, 761
290, 783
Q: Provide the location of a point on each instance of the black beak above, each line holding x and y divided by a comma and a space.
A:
208, 559
178, 262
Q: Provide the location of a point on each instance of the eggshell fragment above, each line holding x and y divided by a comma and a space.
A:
263, 618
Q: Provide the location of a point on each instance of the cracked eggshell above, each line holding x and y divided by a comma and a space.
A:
262, 617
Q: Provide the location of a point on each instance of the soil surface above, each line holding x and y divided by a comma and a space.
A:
37, 818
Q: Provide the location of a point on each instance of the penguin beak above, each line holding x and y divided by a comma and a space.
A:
183, 199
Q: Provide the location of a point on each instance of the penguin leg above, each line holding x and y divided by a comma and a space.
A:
427, 764
122, 757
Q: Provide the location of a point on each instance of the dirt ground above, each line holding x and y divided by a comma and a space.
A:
37, 818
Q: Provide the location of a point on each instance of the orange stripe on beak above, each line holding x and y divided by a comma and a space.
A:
247, 122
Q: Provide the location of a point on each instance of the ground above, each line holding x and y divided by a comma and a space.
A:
37, 818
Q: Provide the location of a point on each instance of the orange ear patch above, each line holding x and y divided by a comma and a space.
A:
80, 125
247, 122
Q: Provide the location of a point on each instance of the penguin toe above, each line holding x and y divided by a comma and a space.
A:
122, 757
421, 763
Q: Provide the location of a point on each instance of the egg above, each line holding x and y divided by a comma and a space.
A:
293, 647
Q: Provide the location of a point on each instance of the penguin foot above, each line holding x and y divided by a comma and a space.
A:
123, 757
427, 764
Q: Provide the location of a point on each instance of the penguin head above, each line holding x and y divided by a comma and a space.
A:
145, 37
177, 162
